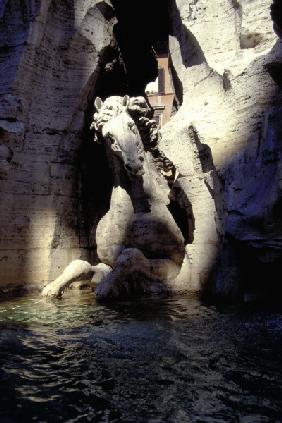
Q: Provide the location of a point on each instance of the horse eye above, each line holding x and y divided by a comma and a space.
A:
141, 158
111, 138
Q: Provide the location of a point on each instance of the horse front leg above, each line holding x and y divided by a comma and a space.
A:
77, 270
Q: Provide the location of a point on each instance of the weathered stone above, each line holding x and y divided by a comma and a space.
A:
48, 65
219, 155
226, 57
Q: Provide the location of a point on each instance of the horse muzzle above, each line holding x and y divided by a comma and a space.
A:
134, 170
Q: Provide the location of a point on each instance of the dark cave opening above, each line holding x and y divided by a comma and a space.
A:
184, 219
141, 28
276, 14
95, 184
125, 67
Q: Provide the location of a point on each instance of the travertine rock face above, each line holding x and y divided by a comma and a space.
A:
227, 69
48, 65
223, 143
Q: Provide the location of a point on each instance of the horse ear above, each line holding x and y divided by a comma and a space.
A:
125, 100
98, 103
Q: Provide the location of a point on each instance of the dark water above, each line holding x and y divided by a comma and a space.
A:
174, 360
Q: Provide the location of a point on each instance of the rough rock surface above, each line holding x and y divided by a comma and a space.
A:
48, 65
226, 64
80, 272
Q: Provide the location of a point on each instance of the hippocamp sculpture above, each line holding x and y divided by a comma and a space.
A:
138, 242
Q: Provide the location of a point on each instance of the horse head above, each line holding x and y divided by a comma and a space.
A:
108, 109
123, 138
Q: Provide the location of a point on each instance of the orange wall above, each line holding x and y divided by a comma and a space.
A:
163, 100
163, 63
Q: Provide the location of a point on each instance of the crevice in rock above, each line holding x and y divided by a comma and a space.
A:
190, 49
181, 210
276, 14
177, 85
275, 71
226, 80
204, 151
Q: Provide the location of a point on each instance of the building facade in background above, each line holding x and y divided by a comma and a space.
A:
159, 92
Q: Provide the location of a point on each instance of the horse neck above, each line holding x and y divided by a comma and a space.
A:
134, 186
139, 193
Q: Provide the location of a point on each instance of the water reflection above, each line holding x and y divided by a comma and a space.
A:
174, 360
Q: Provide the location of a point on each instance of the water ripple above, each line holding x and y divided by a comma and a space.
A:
175, 360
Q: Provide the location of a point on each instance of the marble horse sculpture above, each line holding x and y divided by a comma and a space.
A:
140, 247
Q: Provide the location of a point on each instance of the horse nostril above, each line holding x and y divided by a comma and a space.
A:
128, 167
138, 171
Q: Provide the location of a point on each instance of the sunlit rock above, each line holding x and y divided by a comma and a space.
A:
226, 62
48, 66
